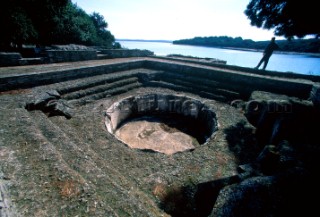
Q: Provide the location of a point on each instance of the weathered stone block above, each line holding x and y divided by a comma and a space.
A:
55, 56
315, 95
122, 53
11, 59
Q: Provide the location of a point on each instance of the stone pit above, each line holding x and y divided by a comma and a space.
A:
161, 122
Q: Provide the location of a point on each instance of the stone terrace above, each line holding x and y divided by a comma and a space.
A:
211, 80
51, 165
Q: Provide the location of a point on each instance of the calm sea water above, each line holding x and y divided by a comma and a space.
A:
296, 63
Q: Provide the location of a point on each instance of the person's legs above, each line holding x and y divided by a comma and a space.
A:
261, 61
259, 64
265, 62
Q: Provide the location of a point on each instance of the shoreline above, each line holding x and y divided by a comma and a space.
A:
277, 52
317, 55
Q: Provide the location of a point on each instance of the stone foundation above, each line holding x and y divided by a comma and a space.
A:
66, 54
11, 59
121, 53
56, 56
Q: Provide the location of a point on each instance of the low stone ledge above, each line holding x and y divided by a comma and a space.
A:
122, 53
11, 59
243, 83
55, 56
315, 95
70, 53
197, 60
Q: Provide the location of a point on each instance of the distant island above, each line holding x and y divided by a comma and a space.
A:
145, 40
295, 45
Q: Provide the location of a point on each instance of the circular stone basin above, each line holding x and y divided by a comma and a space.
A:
161, 122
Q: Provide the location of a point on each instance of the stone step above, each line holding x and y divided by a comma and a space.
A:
102, 56
207, 85
35, 60
100, 88
190, 78
76, 160
88, 82
50, 149
107, 93
177, 87
205, 88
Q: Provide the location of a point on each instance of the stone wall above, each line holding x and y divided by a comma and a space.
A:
215, 82
10, 59
315, 95
243, 83
36, 79
64, 55
121, 53
55, 56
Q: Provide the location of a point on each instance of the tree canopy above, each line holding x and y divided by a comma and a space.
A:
46, 22
288, 18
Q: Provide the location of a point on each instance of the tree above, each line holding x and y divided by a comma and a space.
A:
19, 31
17, 27
28, 21
288, 18
45, 15
73, 26
47, 22
104, 37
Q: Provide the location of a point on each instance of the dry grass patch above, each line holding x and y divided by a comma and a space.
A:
68, 188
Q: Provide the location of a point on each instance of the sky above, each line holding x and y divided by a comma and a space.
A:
175, 19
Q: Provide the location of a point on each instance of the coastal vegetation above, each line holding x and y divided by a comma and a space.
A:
44, 22
294, 45
291, 19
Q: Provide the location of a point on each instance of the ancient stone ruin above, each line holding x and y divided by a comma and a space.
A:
161, 122
65, 53
157, 136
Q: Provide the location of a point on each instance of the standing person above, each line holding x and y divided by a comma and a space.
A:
267, 53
